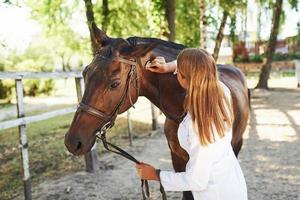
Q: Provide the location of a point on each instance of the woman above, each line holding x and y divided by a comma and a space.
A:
212, 172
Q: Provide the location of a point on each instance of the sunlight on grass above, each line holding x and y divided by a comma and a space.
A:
47, 153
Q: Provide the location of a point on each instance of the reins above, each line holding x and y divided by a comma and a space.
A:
109, 122
121, 152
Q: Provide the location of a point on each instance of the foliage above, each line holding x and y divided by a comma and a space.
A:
30, 60
286, 56
187, 25
257, 58
239, 59
5, 90
56, 17
128, 19
232, 6
232, 27
276, 57
35, 87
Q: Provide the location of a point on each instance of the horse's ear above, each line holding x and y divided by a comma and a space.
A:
138, 50
99, 37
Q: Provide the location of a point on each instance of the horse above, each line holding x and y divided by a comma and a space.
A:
116, 77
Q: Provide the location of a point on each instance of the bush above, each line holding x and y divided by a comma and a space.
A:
256, 58
239, 59
4, 91
5, 86
286, 56
276, 57
47, 87
35, 87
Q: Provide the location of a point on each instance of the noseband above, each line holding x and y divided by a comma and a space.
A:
109, 119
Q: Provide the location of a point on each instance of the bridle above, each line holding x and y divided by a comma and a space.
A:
110, 119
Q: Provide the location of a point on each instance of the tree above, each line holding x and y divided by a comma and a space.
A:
105, 14
230, 7
55, 18
187, 22
220, 35
170, 15
259, 10
266, 69
203, 24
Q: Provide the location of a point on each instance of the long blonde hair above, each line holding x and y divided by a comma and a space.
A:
205, 101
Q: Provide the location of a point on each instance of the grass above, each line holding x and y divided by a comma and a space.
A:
48, 156
4, 103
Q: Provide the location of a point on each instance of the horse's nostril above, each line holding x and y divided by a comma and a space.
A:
78, 145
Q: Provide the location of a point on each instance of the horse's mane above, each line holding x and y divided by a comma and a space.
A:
164, 48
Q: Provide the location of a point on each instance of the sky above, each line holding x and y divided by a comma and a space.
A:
18, 30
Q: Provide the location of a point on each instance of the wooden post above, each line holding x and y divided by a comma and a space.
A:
154, 116
129, 128
23, 140
90, 157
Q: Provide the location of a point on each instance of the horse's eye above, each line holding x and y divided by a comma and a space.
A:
114, 84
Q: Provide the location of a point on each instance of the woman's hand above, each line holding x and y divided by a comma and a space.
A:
158, 65
146, 172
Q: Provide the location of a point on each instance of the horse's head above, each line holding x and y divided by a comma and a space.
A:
111, 87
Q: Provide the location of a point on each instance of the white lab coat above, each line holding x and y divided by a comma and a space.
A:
212, 172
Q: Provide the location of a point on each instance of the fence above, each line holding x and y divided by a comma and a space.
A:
22, 120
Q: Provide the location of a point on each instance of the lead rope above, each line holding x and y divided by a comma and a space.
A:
121, 152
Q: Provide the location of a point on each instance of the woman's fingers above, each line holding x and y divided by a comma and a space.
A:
146, 171
152, 69
154, 63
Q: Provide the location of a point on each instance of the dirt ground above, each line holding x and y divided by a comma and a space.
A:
269, 158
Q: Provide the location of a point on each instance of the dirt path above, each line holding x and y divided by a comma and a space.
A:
115, 179
269, 158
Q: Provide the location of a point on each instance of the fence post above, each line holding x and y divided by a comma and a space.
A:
90, 157
129, 127
154, 116
23, 140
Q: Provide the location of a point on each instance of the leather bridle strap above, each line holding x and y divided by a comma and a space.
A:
109, 119
92, 111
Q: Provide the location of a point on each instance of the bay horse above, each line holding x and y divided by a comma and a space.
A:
115, 79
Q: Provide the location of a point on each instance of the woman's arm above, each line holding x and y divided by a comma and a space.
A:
159, 65
194, 179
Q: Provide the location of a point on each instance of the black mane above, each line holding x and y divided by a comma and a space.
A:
167, 49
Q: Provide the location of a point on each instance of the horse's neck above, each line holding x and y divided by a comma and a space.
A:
164, 91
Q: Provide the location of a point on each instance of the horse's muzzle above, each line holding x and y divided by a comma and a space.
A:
74, 144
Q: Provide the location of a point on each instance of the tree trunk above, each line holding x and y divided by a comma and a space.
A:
258, 21
203, 24
105, 13
90, 19
246, 22
220, 35
266, 69
170, 15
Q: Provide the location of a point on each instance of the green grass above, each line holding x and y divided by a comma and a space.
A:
4, 103
48, 156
